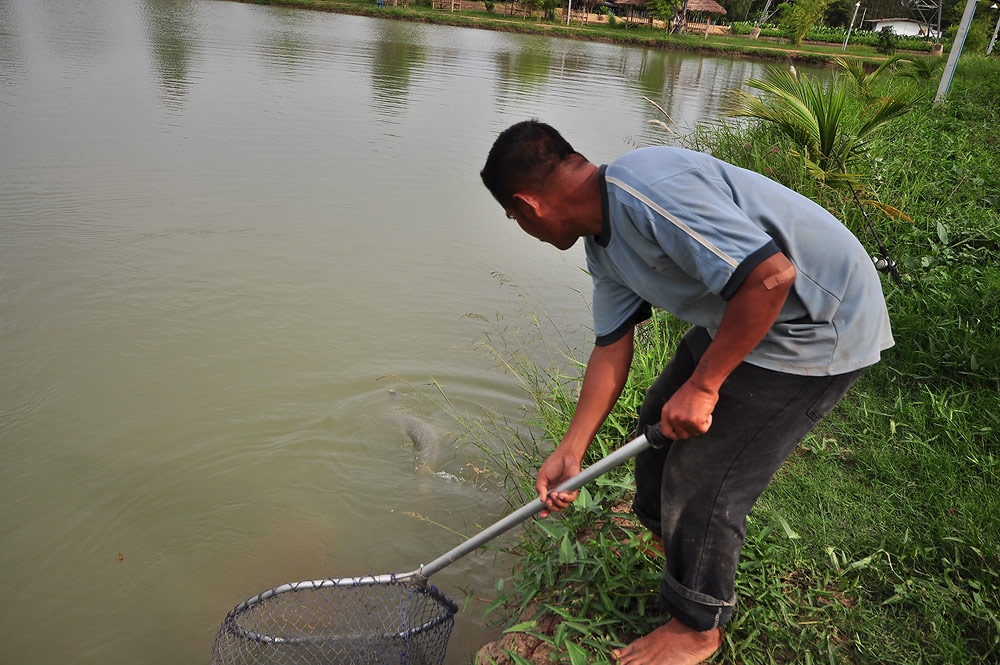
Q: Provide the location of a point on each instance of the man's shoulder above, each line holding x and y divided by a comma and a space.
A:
656, 160
649, 169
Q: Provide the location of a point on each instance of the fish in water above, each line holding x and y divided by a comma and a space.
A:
426, 440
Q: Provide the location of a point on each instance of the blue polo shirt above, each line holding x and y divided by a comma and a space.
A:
681, 232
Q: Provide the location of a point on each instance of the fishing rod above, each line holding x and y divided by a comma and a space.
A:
885, 264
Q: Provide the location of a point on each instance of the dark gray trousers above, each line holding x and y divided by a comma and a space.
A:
697, 493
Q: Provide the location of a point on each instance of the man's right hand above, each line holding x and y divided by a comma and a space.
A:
606, 374
557, 469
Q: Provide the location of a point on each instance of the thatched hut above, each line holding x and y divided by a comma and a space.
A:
635, 10
639, 11
706, 7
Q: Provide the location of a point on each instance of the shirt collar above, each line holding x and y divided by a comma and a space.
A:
604, 238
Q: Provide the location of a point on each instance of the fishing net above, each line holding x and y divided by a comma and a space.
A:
350, 621
396, 619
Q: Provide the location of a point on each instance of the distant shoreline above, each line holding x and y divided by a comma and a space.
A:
729, 46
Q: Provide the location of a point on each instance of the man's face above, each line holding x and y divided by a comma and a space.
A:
543, 229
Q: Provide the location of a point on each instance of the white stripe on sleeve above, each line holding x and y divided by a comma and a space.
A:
673, 220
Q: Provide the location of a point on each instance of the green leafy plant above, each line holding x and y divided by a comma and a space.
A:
489, 6
864, 80
834, 35
549, 8
887, 42
663, 10
921, 69
800, 16
978, 36
829, 135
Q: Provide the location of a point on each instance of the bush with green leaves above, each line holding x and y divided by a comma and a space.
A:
829, 134
979, 34
800, 16
549, 8
921, 68
831, 35
664, 9
887, 41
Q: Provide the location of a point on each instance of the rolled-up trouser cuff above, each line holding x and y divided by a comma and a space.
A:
650, 522
695, 610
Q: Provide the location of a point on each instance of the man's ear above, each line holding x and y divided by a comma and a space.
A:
527, 203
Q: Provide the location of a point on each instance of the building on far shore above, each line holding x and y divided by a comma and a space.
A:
904, 26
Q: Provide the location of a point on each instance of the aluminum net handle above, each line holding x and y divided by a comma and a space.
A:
533, 507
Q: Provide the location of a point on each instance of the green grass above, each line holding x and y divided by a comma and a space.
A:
877, 542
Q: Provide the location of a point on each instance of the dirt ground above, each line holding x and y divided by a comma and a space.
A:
526, 646
533, 649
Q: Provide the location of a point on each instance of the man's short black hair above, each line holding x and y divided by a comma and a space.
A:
523, 156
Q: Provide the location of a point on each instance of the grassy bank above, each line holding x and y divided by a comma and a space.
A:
635, 35
877, 542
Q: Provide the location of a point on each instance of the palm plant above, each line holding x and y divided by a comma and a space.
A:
864, 81
830, 135
921, 69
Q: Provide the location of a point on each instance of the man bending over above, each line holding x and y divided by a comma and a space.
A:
786, 309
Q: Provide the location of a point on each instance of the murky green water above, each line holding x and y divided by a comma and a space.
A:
226, 231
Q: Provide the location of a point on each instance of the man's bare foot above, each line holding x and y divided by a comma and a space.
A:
671, 644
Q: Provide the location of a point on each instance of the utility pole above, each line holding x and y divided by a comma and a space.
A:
763, 14
937, 38
853, 16
956, 50
995, 31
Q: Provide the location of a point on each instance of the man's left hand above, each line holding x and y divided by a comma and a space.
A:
688, 412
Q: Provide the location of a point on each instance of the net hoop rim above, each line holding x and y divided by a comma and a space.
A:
414, 578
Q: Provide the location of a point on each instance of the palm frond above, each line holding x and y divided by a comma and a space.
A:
830, 134
885, 65
921, 68
889, 107
855, 69
791, 95
864, 81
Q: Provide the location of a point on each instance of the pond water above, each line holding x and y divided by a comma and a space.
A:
226, 232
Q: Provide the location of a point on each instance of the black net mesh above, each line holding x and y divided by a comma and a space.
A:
338, 622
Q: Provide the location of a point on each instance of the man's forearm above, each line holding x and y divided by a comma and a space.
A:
749, 314
603, 381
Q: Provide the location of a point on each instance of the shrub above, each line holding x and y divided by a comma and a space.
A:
830, 135
799, 18
489, 6
978, 37
921, 69
887, 41
830, 35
